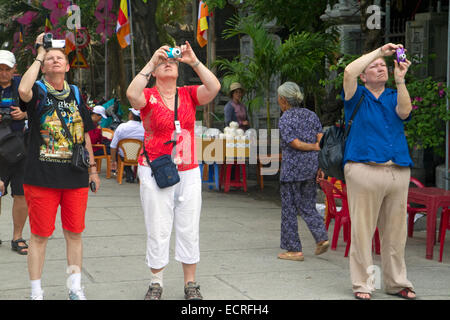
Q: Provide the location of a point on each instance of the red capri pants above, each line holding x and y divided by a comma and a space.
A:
43, 206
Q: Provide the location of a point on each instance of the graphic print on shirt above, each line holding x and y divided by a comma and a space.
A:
56, 147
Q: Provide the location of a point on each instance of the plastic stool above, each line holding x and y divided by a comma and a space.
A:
213, 175
225, 176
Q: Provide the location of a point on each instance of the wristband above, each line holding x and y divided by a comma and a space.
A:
147, 75
195, 64
400, 82
40, 61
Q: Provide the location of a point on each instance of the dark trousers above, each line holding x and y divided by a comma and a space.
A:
299, 198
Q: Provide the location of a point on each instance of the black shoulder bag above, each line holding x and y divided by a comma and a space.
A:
12, 147
332, 147
163, 168
80, 155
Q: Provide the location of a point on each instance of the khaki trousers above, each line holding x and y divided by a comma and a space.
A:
377, 196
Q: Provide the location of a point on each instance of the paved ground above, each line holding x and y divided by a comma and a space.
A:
239, 237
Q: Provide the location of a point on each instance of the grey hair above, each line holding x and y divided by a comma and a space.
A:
292, 93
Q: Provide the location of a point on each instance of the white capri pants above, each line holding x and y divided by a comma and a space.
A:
179, 206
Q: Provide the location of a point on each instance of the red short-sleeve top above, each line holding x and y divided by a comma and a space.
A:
158, 122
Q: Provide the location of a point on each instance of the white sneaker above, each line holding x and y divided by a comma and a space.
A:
38, 296
77, 294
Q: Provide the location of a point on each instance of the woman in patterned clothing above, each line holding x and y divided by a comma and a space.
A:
300, 131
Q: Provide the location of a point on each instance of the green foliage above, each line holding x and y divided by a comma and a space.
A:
212, 4
294, 15
169, 13
256, 71
300, 58
429, 115
303, 61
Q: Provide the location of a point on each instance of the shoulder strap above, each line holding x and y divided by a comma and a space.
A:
64, 124
76, 92
348, 126
174, 142
43, 88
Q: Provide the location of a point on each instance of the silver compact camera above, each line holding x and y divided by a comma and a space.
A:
48, 42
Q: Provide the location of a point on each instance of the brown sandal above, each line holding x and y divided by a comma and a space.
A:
289, 255
322, 247
404, 294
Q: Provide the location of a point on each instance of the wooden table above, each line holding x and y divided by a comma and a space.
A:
433, 199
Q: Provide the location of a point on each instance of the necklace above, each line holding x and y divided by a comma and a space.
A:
171, 97
164, 98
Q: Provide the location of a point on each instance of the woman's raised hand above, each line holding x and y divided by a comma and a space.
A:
160, 56
389, 49
187, 54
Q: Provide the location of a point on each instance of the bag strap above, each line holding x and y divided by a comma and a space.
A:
348, 126
64, 124
174, 142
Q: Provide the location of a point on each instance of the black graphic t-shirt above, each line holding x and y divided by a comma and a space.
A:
49, 150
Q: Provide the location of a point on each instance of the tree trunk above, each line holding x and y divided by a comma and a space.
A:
145, 29
268, 106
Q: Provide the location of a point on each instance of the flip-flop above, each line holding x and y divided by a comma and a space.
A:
358, 296
321, 248
291, 256
20, 249
404, 294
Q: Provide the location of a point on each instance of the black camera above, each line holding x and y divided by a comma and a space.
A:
6, 116
48, 42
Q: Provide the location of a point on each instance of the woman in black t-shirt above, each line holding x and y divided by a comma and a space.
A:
50, 180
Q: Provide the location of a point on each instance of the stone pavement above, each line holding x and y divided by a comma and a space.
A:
239, 242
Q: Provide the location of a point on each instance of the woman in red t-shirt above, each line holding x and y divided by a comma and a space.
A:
178, 205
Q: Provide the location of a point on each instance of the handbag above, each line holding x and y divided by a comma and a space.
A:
80, 155
332, 147
164, 170
12, 148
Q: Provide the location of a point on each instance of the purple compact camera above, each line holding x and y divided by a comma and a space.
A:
401, 55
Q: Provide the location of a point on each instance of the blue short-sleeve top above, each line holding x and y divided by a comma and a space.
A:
377, 133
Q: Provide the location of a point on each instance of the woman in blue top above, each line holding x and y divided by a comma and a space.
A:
377, 171
300, 131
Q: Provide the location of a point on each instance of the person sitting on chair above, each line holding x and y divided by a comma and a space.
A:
96, 134
132, 129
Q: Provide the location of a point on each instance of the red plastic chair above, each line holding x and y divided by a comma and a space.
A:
413, 211
342, 217
337, 183
445, 225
